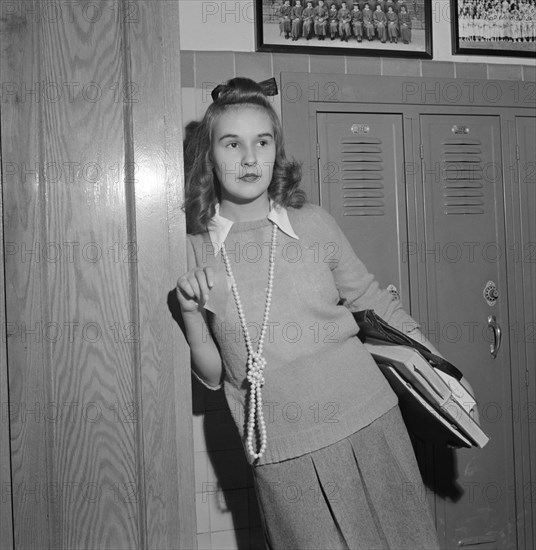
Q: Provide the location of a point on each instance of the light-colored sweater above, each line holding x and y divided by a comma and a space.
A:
321, 383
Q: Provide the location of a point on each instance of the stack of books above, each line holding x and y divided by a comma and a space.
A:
434, 404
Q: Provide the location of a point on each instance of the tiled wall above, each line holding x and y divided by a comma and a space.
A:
201, 71
226, 506
227, 513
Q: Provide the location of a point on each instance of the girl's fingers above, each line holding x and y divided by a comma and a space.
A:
189, 287
209, 272
202, 278
196, 284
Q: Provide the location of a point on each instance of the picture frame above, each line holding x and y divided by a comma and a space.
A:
412, 38
506, 29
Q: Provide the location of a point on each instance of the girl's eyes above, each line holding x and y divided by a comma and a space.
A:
235, 144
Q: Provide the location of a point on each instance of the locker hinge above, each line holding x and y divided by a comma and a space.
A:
318, 150
526, 378
421, 151
517, 152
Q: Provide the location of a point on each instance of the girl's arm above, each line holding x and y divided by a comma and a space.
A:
359, 290
192, 292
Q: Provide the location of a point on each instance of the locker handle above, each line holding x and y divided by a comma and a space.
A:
497, 335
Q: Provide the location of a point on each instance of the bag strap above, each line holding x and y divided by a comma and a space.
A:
373, 327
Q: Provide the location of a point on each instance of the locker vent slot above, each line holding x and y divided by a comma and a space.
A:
463, 178
362, 176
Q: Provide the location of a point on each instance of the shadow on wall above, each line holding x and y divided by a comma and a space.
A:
233, 504
232, 490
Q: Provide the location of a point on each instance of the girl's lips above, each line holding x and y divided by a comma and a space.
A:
250, 178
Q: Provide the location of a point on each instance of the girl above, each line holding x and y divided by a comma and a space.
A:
380, 23
392, 25
267, 305
368, 21
405, 25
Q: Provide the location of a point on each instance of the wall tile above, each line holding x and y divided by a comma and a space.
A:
327, 64
215, 400
529, 73
440, 69
212, 68
228, 468
220, 431
224, 540
364, 65
188, 102
203, 542
401, 67
202, 510
504, 72
187, 69
201, 462
228, 510
471, 70
198, 421
292, 63
257, 66
256, 539
254, 512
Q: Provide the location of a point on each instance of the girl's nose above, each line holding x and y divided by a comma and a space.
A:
249, 158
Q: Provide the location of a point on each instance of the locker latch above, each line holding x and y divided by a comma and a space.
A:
490, 293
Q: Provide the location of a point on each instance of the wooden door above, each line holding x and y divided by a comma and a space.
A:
99, 404
463, 256
361, 167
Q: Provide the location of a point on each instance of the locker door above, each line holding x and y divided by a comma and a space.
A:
525, 256
464, 261
362, 186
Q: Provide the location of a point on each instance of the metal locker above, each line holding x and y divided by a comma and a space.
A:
523, 172
361, 178
463, 254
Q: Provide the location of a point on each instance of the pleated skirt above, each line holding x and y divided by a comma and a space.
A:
362, 493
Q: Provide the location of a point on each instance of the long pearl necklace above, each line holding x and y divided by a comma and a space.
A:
256, 361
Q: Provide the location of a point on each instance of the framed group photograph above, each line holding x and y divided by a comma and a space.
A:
494, 27
395, 28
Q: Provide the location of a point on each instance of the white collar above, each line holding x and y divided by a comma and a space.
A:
219, 227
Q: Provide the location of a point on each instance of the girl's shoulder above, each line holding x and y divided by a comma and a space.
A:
197, 239
311, 218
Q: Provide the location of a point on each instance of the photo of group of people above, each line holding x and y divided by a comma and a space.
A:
351, 24
500, 25
386, 21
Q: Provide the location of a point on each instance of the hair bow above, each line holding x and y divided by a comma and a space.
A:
269, 87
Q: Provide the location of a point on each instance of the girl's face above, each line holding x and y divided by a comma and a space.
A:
243, 153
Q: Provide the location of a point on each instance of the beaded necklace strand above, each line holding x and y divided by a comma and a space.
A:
256, 361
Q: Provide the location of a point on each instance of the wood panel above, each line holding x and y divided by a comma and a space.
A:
160, 237
6, 511
20, 132
98, 374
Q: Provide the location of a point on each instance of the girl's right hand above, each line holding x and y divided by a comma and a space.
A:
193, 288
